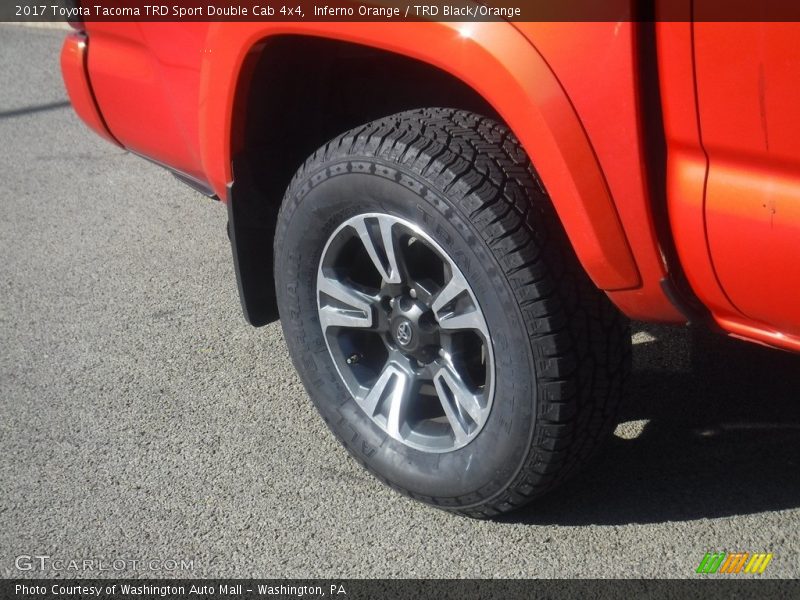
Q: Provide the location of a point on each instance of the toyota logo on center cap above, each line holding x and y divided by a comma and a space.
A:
404, 333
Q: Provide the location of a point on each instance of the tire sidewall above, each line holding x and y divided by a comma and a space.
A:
317, 203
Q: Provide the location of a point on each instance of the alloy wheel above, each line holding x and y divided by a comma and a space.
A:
405, 332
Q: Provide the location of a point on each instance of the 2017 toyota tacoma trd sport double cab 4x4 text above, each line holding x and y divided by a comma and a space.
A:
455, 222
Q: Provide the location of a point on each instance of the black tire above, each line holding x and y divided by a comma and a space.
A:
562, 349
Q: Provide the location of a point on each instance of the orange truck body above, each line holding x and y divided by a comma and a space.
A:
670, 150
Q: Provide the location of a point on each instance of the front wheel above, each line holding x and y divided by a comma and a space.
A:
438, 317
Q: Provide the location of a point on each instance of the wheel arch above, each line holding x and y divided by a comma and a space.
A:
489, 66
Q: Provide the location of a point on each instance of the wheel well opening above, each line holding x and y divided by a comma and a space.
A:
302, 91
295, 94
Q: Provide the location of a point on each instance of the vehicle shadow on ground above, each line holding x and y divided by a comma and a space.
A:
28, 110
711, 428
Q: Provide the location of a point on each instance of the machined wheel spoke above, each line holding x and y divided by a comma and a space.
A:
376, 233
461, 407
393, 387
471, 319
351, 308
454, 308
399, 406
452, 290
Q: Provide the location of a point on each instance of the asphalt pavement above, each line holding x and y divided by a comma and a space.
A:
142, 419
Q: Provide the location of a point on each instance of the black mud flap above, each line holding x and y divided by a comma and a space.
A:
251, 229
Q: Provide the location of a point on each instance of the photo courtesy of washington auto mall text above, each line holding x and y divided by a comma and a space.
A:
167, 589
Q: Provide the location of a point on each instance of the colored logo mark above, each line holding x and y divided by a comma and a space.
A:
734, 562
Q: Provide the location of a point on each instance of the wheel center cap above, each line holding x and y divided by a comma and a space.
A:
412, 329
404, 332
